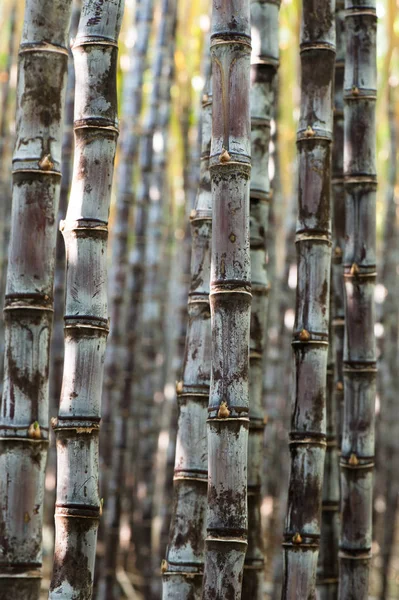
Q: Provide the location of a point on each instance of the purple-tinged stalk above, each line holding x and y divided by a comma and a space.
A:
264, 64
338, 206
310, 336
357, 453
230, 301
184, 564
85, 232
327, 574
28, 308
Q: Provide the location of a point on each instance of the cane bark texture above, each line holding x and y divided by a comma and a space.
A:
28, 307
310, 336
115, 401
184, 564
264, 64
338, 205
230, 300
327, 574
357, 455
86, 318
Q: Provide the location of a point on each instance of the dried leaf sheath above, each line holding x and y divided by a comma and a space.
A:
264, 64
310, 337
24, 433
86, 320
183, 570
230, 300
357, 456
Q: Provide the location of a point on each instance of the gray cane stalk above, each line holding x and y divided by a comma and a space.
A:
85, 232
310, 335
357, 454
184, 563
230, 300
28, 308
327, 575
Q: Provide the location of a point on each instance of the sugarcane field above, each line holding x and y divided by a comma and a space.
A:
199, 288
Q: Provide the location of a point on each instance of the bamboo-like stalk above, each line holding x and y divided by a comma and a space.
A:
184, 564
230, 300
86, 320
327, 575
57, 343
116, 431
388, 375
24, 431
357, 456
310, 336
338, 204
264, 64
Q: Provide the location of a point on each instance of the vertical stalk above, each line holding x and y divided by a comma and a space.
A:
264, 64
86, 320
338, 204
327, 576
310, 336
230, 300
28, 307
184, 564
357, 456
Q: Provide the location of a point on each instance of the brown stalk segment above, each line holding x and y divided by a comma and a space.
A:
28, 308
357, 457
85, 232
184, 566
230, 300
310, 338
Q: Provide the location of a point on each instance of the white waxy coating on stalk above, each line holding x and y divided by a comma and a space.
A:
86, 319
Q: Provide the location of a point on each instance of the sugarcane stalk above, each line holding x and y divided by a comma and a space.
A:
357, 456
264, 64
86, 317
57, 341
327, 575
28, 307
338, 204
230, 301
184, 563
310, 336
